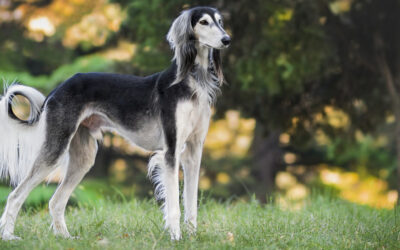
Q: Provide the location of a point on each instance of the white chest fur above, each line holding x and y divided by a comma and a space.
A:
192, 119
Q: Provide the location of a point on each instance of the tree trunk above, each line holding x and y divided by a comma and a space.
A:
267, 160
387, 74
398, 154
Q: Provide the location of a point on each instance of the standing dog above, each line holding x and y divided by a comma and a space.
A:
167, 113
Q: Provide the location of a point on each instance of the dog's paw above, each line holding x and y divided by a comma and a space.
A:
60, 230
191, 230
175, 233
173, 226
175, 236
191, 227
8, 237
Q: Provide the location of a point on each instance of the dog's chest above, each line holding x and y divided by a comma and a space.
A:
200, 111
203, 86
192, 117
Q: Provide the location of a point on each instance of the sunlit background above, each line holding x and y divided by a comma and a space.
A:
305, 109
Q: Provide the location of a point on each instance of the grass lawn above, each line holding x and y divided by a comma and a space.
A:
322, 224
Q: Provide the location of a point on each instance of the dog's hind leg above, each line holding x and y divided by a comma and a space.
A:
82, 153
38, 172
52, 153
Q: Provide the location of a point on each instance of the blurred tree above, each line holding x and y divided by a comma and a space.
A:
53, 37
276, 75
366, 39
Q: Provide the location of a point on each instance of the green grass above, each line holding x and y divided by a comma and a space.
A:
322, 224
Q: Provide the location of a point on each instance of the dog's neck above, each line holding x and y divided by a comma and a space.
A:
204, 84
203, 56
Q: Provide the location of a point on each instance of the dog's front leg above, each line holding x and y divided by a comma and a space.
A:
191, 159
176, 135
170, 178
172, 212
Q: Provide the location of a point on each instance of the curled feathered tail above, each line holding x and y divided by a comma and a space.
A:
156, 168
20, 141
156, 173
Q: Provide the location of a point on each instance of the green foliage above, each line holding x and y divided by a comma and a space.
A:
48, 82
37, 198
152, 54
88, 192
363, 156
20, 54
322, 223
286, 54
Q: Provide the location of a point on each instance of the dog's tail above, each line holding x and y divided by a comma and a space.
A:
20, 140
155, 173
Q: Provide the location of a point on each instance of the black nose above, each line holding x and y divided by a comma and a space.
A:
226, 40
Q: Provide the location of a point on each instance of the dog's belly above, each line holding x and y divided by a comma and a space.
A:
149, 135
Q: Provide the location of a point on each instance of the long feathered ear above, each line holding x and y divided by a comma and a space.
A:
182, 40
216, 57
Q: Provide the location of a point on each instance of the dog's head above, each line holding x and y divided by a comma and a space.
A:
201, 26
208, 28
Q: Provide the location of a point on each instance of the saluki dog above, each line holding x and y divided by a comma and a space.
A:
167, 113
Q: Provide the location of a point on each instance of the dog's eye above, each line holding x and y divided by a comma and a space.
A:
203, 22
